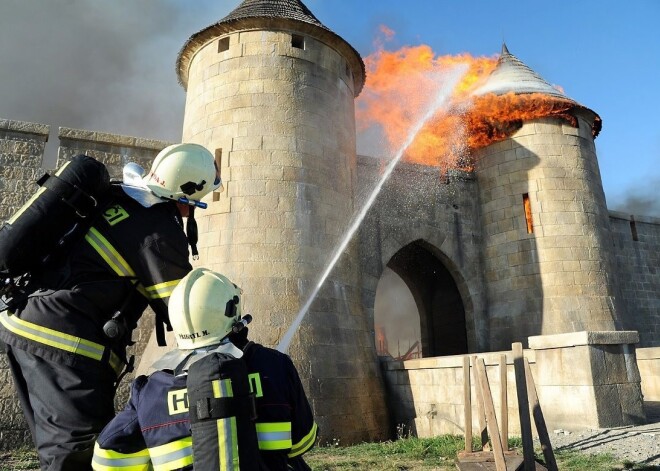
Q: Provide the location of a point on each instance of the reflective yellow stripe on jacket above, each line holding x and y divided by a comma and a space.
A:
305, 444
173, 455
274, 435
108, 460
121, 267
56, 339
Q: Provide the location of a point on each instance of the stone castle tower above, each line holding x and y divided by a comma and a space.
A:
271, 91
546, 234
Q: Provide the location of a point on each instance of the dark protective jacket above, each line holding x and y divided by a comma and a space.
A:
154, 428
130, 258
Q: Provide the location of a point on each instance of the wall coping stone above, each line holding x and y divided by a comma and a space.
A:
452, 361
628, 217
108, 138
25, 127
573, 339
648, 353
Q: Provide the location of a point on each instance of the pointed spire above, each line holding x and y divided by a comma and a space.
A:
512, 75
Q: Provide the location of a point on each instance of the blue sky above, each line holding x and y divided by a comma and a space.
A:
109, 66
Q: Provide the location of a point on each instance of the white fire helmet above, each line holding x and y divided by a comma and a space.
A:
203, 308
183, 172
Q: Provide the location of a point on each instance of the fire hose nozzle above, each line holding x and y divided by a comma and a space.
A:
240, 325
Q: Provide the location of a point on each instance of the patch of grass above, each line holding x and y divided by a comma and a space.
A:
23, 459
439, 453
409, 454
405, 454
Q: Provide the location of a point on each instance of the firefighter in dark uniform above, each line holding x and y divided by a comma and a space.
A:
155, 429
66, 344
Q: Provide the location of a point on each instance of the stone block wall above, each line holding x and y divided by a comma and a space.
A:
552, 275
21, 155
648, 361
441, 213
605, 391
426, 395
636, 247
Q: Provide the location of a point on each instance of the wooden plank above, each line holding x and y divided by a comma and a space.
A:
491, 418
504, 403
467, 401
480, 408
539, 420
513, 463
523, 407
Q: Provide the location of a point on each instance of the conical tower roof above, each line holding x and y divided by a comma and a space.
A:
273, 15
512, 75
293, 10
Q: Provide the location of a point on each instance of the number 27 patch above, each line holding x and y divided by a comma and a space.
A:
115, 214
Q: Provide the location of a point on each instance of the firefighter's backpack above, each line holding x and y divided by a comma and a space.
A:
61, 210
222, 415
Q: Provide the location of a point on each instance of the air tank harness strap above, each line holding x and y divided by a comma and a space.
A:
81, 202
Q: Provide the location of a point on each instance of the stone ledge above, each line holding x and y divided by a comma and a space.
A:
452, 361
629, 217
572, 339
107, 138
25, 127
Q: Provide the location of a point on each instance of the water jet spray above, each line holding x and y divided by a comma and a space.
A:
450, 81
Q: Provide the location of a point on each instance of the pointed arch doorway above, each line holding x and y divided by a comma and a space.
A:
417, 289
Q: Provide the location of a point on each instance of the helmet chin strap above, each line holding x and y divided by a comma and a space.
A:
191, 232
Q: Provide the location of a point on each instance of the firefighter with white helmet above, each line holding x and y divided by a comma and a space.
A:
66, 343
183, 171
268, 420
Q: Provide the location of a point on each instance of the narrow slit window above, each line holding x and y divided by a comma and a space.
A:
223, 44
528, 213
218, 165
633, 229
298, 41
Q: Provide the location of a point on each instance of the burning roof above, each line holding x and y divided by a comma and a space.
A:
489, 104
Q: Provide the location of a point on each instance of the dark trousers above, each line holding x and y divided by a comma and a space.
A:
65, 407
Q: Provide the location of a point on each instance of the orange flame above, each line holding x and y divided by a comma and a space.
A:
401, 84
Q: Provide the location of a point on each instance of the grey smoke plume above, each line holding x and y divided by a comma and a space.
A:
104, 66
640, 201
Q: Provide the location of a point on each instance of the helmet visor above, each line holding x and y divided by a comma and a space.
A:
134, 186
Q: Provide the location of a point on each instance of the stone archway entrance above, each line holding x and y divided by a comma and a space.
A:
439, 303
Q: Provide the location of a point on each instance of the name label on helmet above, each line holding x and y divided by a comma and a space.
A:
194, 335
156, 178
177, 401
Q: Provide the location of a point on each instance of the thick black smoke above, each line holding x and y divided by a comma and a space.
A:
103, 66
